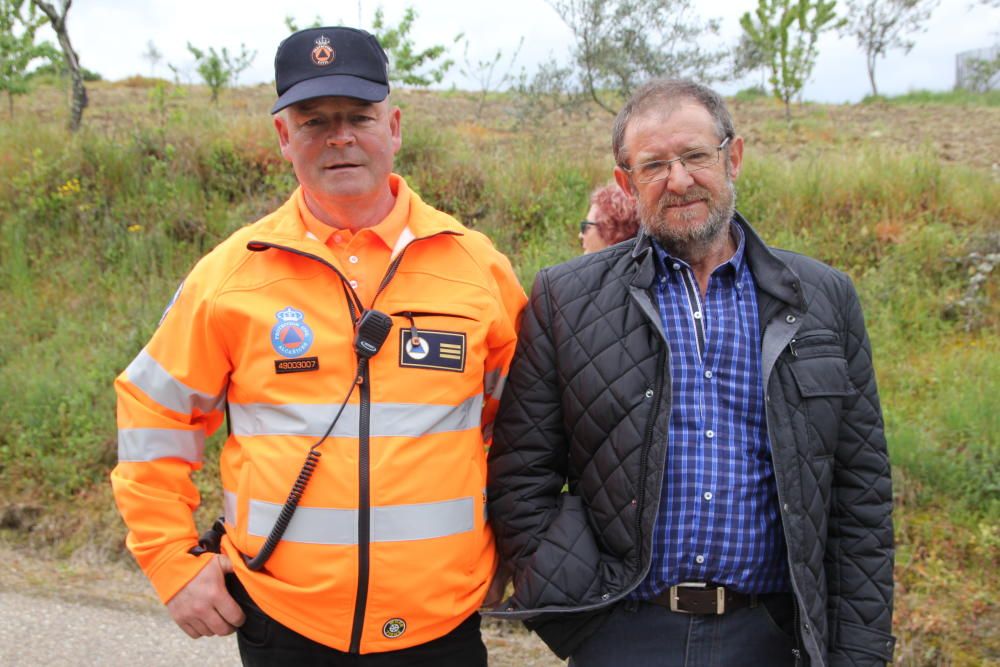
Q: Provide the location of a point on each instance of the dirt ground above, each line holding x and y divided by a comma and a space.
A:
104, 597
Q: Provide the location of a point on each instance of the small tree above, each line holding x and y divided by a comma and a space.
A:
982, 73
749, 57
408, 65
405, 60
217, 68
153, 55
786, 31
292, 26
882, 25
58, 21
485, 73
18, 52
621, 43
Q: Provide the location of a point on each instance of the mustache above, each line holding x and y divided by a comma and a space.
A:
695, 193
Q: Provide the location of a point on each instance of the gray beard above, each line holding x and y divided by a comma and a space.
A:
690, 244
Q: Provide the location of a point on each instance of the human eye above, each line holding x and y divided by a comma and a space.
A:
699, 157
647, 169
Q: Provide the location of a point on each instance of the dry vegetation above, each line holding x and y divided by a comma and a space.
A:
900, 196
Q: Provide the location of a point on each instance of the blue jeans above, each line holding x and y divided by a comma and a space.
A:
647, 635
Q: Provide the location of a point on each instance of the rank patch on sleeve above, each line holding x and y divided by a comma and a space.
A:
440, 350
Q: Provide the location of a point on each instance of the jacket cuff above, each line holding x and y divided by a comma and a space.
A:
176, 573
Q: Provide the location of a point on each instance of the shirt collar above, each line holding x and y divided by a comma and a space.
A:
388, 229
738, 261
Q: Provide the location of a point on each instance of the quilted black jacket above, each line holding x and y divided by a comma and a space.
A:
586, 410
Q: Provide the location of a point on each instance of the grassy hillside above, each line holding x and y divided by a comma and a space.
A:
96, 231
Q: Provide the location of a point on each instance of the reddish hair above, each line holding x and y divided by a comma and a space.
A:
621, 220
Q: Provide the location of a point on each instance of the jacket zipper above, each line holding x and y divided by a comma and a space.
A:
797, 651
364, 453
364, 510
811, 340
643, 456
796, 593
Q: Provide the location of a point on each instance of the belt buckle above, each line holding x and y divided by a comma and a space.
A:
720, 597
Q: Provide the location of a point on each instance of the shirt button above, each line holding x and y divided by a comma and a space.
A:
649, 393
352, 259
708, 495
354, 284
337, 238
708, 374
709, 433
697, 315
699, 559
790, 319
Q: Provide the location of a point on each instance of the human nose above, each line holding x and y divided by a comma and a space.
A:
340, 134
678, 179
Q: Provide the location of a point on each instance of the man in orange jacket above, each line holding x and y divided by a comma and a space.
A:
357, 340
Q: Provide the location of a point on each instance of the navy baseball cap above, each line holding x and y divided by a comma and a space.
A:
318, 62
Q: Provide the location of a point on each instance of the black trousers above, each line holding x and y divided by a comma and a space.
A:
264, 642
639, 634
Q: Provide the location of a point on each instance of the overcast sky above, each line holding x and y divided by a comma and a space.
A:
111, 36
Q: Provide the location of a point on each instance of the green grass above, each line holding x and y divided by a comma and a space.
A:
958, 97
97, 229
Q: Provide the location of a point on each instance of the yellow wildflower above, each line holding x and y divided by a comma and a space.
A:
70, 187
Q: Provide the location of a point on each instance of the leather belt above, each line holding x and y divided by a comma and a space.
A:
701, 598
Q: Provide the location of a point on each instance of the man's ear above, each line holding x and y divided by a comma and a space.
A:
735, 162
623, 181
281, 126
395, 125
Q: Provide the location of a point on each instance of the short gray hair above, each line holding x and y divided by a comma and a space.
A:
669, 92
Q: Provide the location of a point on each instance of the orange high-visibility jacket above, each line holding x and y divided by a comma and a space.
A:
390, 546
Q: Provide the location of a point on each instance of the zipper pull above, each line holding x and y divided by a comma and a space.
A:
791, 346
414, 336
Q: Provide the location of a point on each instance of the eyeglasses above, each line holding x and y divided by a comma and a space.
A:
587, 223
692, 161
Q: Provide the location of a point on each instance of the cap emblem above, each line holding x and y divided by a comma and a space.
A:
323, 54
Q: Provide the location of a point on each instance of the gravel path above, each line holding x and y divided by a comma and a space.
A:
77, 614
56, 632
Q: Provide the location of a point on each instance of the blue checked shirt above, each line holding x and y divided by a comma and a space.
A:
718, 520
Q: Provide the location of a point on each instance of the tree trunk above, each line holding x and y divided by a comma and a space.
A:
871, 75
79, 102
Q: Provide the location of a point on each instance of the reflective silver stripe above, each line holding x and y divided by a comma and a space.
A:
493, 384
397, 523
391, 523
149, 444
146, 373
229, 507
387, 419
312, 525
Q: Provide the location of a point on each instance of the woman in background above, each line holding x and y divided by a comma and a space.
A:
612, 218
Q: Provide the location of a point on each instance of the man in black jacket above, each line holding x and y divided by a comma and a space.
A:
689, 465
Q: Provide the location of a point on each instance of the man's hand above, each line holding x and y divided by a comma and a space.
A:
204, 607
